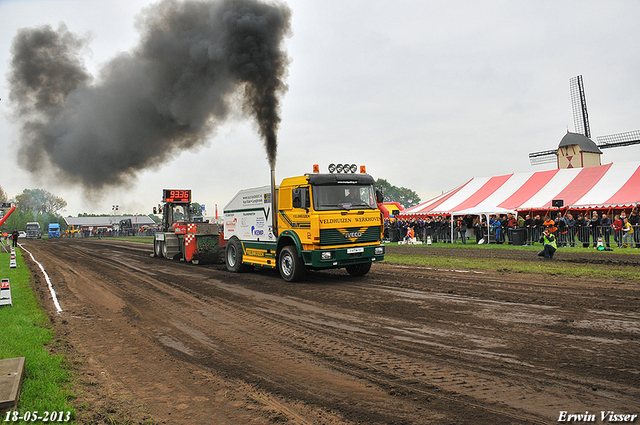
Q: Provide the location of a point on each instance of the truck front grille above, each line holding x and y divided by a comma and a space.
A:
349, 236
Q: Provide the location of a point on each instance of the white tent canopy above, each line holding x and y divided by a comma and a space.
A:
483, 209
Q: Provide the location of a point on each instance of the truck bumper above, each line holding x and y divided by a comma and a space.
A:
341, 257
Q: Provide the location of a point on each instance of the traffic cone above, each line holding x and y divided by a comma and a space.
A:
429, 240
600, 246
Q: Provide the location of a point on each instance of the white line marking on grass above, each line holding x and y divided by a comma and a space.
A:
46, 277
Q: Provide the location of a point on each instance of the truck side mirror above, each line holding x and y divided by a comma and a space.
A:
296, 197
307, 198
379, 196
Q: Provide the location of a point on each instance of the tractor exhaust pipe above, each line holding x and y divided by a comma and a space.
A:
274, 203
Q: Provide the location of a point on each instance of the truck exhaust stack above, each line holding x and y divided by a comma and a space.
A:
274, 212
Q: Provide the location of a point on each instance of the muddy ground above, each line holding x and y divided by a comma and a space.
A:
158, 341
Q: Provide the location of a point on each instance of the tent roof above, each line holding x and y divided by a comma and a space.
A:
603, 186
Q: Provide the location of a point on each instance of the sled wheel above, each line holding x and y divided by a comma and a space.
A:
157, 248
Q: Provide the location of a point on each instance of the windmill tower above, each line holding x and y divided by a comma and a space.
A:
577, 150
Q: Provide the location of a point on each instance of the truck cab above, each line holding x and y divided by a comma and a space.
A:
333, 219
54, 230
33, 230
322, 221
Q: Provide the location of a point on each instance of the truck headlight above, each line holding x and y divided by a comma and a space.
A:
379, 250
326, 255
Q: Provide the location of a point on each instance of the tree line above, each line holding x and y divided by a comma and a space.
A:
405, 197
45, 207
33, 205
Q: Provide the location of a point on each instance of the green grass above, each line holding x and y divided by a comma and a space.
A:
142, 239
27, 332
451, 259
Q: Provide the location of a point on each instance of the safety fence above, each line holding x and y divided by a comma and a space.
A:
584, 236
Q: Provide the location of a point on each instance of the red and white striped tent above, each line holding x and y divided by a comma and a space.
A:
611, 186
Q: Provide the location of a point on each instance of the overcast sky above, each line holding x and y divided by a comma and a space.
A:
426, 94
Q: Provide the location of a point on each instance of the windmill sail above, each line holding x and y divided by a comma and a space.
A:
543, 157
619, 139
579, 104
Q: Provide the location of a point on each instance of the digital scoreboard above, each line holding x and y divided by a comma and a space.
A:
176, 196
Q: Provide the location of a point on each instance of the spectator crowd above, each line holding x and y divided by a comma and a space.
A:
583, 230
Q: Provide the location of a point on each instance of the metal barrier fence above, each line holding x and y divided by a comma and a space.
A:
567, 237
590, 236
437, 234
443, 234
581, 236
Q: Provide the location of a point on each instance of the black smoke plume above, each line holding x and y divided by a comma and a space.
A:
195, 59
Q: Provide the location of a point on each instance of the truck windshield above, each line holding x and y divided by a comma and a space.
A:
32, 227
343, 197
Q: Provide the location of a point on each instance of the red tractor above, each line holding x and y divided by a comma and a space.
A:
183, 235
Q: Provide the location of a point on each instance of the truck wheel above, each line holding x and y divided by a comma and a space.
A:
290, 265
358, 269
157, 248
233, 256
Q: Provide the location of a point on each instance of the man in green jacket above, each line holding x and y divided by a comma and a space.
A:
549, 242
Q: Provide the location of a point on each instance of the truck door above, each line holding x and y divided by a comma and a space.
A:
300, 215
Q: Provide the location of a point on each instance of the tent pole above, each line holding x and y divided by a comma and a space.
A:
452, 228
486, 216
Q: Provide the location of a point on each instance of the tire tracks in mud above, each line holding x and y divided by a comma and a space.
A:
354, 356
407, 345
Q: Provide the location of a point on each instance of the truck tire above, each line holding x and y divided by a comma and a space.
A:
157, 248
233, 257
290, 264
358, 269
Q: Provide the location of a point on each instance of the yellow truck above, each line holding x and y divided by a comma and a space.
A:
73, 231
314, 221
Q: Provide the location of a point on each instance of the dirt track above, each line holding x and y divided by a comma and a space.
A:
185, 344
